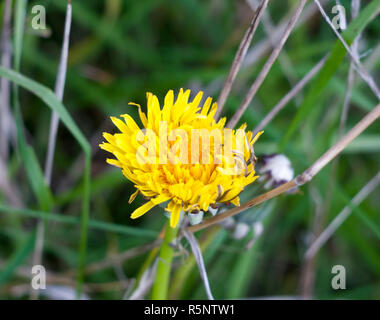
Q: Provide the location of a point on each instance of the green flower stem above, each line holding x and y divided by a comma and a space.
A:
161, 282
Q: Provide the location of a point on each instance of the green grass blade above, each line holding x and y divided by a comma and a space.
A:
48, 96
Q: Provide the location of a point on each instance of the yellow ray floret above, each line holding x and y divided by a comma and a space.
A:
167, 168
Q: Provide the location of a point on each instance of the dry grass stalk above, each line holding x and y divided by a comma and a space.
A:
240, 54
265, 45
268, 65
283, 59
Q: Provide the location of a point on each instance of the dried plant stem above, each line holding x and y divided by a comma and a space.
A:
301, 179
284, 60
6, 55
290, 95
240, 54
342, 216
268, 65
59, 89
262, 47
161, 283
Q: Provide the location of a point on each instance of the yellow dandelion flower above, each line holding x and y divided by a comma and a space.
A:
182, 156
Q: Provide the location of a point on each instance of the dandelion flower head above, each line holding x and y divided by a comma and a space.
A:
168, 166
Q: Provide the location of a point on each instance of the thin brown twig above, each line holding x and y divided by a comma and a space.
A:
268, 65
265, 45
283, 59
240, 54
301, 179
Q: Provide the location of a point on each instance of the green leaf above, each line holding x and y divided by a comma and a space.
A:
48, 96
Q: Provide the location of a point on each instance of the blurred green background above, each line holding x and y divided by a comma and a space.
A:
119, 50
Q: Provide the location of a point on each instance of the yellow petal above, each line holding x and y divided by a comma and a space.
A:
231, 194
131, 124
214, 107
206, 106
197, 99
109, 137
175, 210
159, 199
236, 201
169, 98
133, 196
142, 115
257, 136
120, 125
142, 210
108, 147
114, 162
